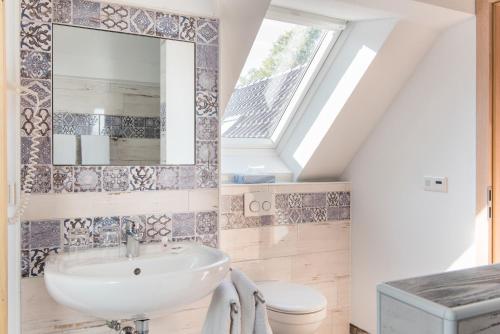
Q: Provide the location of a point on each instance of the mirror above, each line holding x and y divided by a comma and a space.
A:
122, 99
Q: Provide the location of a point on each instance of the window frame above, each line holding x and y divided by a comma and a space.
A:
335, 27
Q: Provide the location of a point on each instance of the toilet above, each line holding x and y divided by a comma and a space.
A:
293, 308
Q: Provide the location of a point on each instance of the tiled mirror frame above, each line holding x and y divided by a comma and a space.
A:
37, 19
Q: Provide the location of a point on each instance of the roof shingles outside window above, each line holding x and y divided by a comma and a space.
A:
255, 110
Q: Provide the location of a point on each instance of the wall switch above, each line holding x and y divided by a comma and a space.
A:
436, 183
259, 203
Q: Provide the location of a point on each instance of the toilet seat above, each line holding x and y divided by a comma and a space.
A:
290, 298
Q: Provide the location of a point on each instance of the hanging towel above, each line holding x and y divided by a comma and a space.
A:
253, 308
224, 312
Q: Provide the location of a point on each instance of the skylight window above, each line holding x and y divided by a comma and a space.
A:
282, 63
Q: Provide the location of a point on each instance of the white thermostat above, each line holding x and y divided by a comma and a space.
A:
436, 183
260, 203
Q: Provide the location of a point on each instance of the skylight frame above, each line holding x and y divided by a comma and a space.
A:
335, 27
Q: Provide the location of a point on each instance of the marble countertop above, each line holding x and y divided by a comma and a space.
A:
456, 288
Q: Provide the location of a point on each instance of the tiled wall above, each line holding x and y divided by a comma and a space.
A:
36, 79
45, 237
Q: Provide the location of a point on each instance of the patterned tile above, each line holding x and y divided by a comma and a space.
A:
238, 220
187, 179
142, 178
206, 176
62, 11
207, 32
25, 263
167, 25
86, 13
207, 80
36, 10
38, 120
345, 199
209, 240
36, 64
77, 233
333, 199
225, 203
36, 36
45, 234
295, 216
237, 203
345, 213
207, 128
314, 215
207, 56
139, 221
206, 222
142, 21
167, 177
158, 227
333, 213
184, 239
25, 235
294, 200
115, 178
206, 152
41, 144
63, 179
267, 220
39, 93
187, 28
313, 200
206, 103
106, 231
183, 224
41, 182
114, 17
281, 201
37, 260
88, 179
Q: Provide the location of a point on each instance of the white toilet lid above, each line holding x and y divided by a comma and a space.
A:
291, 298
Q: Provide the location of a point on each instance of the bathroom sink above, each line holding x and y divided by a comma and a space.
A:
106, 284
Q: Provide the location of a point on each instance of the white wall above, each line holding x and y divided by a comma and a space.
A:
398, 229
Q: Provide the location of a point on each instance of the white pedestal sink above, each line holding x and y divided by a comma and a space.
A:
106, 284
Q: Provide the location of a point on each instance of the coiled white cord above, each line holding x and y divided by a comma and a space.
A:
29, 178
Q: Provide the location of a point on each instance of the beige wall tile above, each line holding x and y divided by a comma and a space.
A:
320, 267
333, 236
203, 199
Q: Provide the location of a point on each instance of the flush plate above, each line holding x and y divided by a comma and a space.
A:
258, 204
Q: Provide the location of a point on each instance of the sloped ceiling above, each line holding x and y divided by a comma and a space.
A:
418, 24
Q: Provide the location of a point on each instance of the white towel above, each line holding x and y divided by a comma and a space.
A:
224, 312
253, 308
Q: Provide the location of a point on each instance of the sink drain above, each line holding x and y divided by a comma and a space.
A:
137, 271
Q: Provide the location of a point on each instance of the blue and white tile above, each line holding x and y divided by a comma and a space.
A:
36, 65
310, 200
36, 10
207, 56
62, 11
88, 179
295, 200
207, 128
333, 199
44, 147
167, 25
183, 224
139, 221
142, 21
207, 80
25, 263
44, 234
36, 36
207, 176
345, 199
86, 13
207, 31
38, 258
187, 177
167, 177
35, 121
314, 215
106, 232
25, 235
210, 240
206, 222
42, 179
142, 178
187, 28
77, 233
115, 179
115, 17
39, 94
207, 103
158, 226
206, 152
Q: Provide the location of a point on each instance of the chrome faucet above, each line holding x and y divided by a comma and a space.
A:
132, 239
